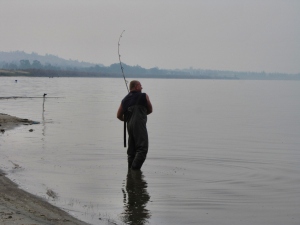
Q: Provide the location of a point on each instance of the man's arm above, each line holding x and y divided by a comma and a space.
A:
149, 105
120, 113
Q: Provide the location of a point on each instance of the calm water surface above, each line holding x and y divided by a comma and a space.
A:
221, 152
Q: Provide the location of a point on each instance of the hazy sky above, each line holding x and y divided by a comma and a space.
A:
239, 35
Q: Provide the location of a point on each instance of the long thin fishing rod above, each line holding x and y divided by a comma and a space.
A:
120, 60
125, 84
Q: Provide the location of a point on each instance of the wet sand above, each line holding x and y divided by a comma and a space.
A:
8, 122
20, 207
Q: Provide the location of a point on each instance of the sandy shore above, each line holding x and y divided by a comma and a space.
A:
8, 122
20, 207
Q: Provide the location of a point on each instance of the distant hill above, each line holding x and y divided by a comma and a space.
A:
16, 56
19, 63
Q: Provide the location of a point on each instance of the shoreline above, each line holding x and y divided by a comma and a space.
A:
20, 207
8, 122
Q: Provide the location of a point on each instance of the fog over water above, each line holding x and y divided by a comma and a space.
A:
221, 151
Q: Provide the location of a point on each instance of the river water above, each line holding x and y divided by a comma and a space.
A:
221, 151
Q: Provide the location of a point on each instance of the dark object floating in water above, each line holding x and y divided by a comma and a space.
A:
51, 193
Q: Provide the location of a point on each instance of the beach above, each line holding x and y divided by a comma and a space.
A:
20, 207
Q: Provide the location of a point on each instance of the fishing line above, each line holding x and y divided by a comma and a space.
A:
15, 97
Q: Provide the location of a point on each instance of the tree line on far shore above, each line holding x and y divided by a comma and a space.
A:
72, 68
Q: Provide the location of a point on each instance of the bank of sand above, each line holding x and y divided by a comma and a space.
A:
20, 207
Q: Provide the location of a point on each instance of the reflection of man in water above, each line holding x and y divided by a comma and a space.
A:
135, 201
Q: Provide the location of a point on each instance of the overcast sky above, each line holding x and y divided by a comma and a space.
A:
239, 35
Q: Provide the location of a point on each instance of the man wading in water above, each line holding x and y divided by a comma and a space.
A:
134, 109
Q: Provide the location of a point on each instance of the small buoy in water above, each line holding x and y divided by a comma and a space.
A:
16, 81
30, 130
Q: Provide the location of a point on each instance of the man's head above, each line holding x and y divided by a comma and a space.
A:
135, 85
